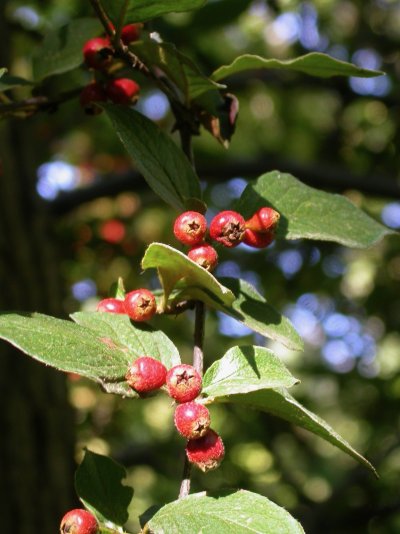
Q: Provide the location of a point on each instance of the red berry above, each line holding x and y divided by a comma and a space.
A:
146, 374
263, 220
190, 228
192, 419
97, 52
205, 255
183, 383
79, 521
91, 94
228, 227
206, 452
258, 239
122, 91
140, 304
111, 305
130, 33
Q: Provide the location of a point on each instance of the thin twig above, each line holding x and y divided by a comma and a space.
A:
38, 103
185, 484
103, 17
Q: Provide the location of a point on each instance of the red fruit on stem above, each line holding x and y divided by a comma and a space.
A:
146, 374
79, 521
183, 383
111, 305
257, 239
122, 91
140, 304
97, 52
204, 255
130, 33
263, 220
228, 227
206, 452
192, 420
92, 93
190, 228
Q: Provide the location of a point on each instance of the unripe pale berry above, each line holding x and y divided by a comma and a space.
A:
263, 220
146, 374
204, 255
140, 304
228, 227
111, 305
190, 228
192, 420
97, 52
183, 383
122, 91
92, 93
79, 521
258, 239
130, 33
206, 452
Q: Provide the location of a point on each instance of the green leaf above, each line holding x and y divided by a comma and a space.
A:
61, 49
10, 82
136, 339
3, 70
163, 165
117, 290
174, 266
98, 485
244, 369
309, 213
314, 64
280, 403
142, 10
239, 512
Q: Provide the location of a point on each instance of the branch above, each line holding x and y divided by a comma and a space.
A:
32, 105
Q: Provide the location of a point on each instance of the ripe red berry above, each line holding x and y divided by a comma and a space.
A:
111, 305
263, 220
190, 228
140, 304
97, 52
206, 452
146, 374
122, 91
92, 93
130, 33
183, 382
192, 419
258, 239
204, 255
227, 227
79, 521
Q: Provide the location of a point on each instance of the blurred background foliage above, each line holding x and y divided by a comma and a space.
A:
340, 135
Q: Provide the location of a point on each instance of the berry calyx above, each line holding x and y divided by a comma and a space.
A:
205, 255
183, 383
122, 91
97, 52
258, 239
140, 304
130, 33
228, 227
92, 93
192, 420
111, 305
206, 452
146, 374
263, 220
79, 521
190, 228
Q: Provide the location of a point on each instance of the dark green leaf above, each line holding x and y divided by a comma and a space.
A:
9, 82
174, 266
142, 10
244, 369
239, 512
3, 70
61, 49
217, 14
314, 64
163, 165
309, 213
98, 485
280, 403
218, 115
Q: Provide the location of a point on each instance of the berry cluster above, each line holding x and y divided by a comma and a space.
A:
98, 54
139, 304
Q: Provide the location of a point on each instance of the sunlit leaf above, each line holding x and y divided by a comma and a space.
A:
142, 10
